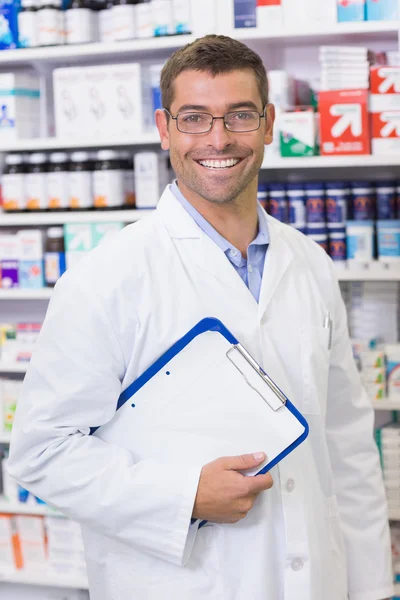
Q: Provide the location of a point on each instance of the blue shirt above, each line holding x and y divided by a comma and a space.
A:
251, 269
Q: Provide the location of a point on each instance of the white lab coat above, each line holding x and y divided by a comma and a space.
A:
320, 533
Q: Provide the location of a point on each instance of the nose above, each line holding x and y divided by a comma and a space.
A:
219, 137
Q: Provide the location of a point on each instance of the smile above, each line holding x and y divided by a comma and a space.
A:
219, 164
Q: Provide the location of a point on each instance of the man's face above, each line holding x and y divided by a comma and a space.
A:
197, 91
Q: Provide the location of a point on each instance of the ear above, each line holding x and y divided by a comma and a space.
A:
162, 126
269, 123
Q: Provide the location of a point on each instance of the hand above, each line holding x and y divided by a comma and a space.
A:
226, 496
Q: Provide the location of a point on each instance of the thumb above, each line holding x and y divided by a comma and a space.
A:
244, 461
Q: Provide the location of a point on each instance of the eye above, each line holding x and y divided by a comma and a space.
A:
193, 118
243, 116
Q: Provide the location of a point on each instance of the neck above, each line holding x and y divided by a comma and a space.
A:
237, 222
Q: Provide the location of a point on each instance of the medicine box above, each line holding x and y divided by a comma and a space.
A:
102, 101
296, 12
245, 12
298, 133
19, 106
32, 541
9, 23
31, 258
9, 260
151, 178
78, 241
103, 231
269, 14
351, 10
382, 10
10, 556
384, 106
344, 124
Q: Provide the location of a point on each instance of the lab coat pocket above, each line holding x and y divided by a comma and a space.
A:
151, 578
338, 569
315, 366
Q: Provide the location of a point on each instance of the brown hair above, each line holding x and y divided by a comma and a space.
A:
215, 54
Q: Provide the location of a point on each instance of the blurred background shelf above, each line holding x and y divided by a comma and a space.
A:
61, 217
46, 579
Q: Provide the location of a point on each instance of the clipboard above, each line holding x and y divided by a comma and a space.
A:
204, 398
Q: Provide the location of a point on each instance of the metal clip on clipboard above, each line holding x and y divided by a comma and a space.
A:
255, 376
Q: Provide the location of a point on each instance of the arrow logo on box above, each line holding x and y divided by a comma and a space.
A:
81, 240
350, 118
391, 78
392, 120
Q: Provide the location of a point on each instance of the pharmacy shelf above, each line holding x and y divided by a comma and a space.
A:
386, 404
331, 162
57, 218
54, 143
375, 271
83, 53
19, 294
45, 578
14, 508
156, 47
13, 368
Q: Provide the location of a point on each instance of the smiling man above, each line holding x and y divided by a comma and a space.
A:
313, 528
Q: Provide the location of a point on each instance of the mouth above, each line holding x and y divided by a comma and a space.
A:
220, 165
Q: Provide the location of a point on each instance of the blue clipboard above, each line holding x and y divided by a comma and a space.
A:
242, 367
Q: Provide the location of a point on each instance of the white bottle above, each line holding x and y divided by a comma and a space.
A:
36, 182
58, 182
129, 178
27, 24
182, 20
80, 181
123, 15
13, 183
50, 19
163, 17
105, 22
80, 22
144, 20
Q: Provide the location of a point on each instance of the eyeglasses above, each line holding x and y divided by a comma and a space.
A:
240, 121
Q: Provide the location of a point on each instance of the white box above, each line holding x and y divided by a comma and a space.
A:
297, 13
151, 177
269, 16
19, 106
31, 536
104, 101
7, 556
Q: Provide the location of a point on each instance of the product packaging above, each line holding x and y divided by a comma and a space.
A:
32, 542
78, 240
245, 13
30, 258
384, 107
9, 260
382, 10
344, 126
9, 24
298, 133
393, 369
388, 236
269, 14
351, 10
19, 106
151, 178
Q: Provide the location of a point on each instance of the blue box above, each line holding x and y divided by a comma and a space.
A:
351, 10
382, 10
9, 24
245, 13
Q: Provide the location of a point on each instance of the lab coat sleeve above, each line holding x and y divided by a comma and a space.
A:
72, 384
356, 469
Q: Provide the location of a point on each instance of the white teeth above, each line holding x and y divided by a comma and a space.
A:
219, 164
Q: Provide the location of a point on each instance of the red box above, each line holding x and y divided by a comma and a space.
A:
344, 122
385, 80
385, 132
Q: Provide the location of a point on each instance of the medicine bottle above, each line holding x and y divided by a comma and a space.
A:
109, 180
80, 22
54, 257
36, 182
129, 179
123, 15
27, 24
13, 183
80, 181
58, 182
50, 19
105, 23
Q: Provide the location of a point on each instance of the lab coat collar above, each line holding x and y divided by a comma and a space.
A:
209, 257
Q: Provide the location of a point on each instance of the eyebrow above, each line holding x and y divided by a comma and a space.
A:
236, 105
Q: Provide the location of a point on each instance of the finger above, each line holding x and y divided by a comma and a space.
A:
243, 461
260, 483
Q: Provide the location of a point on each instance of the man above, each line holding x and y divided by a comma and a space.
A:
208, 250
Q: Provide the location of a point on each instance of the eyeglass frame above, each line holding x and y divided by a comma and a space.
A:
261, 116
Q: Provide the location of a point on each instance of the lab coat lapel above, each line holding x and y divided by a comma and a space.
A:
277, 261
197, 246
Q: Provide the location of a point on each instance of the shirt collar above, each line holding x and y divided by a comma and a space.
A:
262, 237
